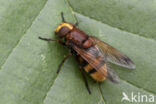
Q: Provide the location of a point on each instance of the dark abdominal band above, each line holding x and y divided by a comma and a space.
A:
92, 71
85, 39
85, 63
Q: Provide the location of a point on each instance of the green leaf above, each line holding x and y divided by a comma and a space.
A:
28, 65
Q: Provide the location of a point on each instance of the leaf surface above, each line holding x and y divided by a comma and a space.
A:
28, 65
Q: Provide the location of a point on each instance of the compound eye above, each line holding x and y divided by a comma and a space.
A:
63, 31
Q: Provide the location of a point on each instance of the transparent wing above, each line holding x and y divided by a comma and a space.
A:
111, 75
96, 59
113, 55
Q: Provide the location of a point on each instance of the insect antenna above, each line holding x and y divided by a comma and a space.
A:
77, 23
62, 16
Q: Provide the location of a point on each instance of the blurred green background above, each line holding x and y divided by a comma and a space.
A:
28, 65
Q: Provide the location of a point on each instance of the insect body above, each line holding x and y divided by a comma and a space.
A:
92, 54
91, 71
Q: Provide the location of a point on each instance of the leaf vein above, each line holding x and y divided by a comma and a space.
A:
21, 37
146, 90
112, 26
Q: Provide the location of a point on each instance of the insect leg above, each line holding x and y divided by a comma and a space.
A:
62, 16
84, 77
85, 80
62, 62
47, 39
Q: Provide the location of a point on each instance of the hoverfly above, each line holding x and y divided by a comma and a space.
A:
92, 54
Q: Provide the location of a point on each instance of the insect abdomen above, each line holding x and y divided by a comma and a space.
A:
91, 71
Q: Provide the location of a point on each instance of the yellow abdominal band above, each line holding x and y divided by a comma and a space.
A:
62, 25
